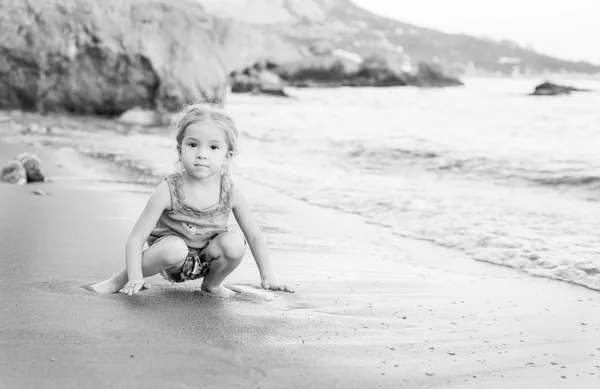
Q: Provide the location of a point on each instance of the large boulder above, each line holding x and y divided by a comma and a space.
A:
105, 57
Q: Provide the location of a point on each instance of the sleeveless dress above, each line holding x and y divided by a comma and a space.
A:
197, 227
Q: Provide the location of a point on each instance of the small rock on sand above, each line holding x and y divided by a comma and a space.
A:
32, 165
14, 173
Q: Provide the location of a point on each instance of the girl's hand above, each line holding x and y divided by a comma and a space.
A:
132, 287
274, 285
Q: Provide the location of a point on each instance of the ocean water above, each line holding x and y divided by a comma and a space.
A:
507, 178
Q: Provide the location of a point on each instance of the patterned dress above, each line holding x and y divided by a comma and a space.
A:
197, 227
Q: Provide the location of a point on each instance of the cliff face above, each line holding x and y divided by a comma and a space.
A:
340, 24
104, 57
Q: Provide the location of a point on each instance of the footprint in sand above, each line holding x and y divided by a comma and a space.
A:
253, 292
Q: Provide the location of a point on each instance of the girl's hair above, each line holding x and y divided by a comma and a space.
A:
204, 113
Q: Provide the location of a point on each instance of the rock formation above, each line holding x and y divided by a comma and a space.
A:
549, 89
24, 168
333, 71
105, 57
258, 78
430, 75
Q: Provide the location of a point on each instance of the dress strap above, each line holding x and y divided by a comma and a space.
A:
174, 182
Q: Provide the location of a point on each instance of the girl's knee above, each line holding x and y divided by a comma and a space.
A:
176, 250
230, 245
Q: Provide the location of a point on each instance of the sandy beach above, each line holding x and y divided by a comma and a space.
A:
422, 317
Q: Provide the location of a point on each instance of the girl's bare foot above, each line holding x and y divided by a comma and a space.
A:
112, 285
219, 291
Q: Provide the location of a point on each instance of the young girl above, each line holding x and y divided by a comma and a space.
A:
185, 219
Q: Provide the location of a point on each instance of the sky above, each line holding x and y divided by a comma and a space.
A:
567, 29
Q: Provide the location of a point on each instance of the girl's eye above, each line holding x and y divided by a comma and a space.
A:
192, 144
214, 147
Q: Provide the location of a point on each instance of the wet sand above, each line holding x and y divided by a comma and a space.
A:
420, 316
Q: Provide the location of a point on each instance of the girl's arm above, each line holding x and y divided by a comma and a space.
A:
256, 241
158, 202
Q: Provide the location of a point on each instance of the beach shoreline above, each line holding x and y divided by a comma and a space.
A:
362, 316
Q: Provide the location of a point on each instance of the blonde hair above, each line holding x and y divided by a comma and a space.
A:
204, 113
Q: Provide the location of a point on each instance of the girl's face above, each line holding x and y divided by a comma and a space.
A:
204, 150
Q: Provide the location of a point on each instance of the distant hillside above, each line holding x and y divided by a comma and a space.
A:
312, 25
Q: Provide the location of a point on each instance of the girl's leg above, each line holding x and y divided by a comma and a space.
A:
167, 254
225, 252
